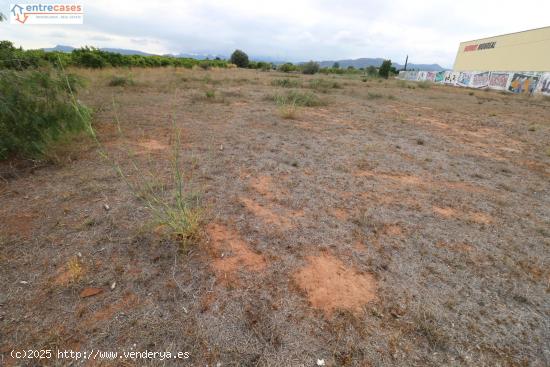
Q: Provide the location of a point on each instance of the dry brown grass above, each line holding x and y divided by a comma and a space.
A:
452, 231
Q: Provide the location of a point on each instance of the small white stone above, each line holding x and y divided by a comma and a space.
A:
320, 362
113, 285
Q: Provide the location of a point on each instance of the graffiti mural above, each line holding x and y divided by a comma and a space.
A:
464, 79
430, 76
499, 81
515, 82
451, 77
523, 83
480, 80
440, 77
544, 84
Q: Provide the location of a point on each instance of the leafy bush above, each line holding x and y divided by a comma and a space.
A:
37, 108
333, 71
371, 71
310, 68
239, 58
287, 67
285, 83
89, 57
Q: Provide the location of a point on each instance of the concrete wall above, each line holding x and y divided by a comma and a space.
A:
528, 50
514, 81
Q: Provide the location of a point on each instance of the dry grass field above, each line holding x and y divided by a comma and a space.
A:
365, 223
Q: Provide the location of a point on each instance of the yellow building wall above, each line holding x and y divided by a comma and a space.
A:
521, 51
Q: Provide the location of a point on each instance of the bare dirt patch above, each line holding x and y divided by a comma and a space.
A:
152, 145
332, 286
231, 253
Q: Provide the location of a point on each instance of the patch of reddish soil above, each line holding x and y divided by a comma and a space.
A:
152, 145
129, 300
394, 230
445, 212
331, 286
476, 217
263, 185
18, 224
231, 252
481, 218
89, 292
420, 182
268, 215
340, 214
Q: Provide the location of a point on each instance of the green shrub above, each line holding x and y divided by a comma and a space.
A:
310, 68
239, 58
287, 67
371, 71
299, 99
37, 108
121, 81
285, 83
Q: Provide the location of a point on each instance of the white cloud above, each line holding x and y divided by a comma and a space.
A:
428, 31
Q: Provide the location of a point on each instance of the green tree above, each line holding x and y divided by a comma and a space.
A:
336, 65
371, 71
287, 67
385, 69
239, 58
310, 67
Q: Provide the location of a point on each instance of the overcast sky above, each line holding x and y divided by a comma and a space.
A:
295, 30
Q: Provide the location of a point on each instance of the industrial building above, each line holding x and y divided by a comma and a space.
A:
519, 51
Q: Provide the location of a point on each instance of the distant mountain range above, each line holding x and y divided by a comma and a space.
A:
357, 63
366, 62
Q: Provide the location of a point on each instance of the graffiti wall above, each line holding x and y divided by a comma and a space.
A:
464, 79
523, 83
451, 77
514, 82
440, 77
543, 86
430, 76
480, 80
499, 80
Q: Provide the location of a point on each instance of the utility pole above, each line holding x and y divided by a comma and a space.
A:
406, 61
